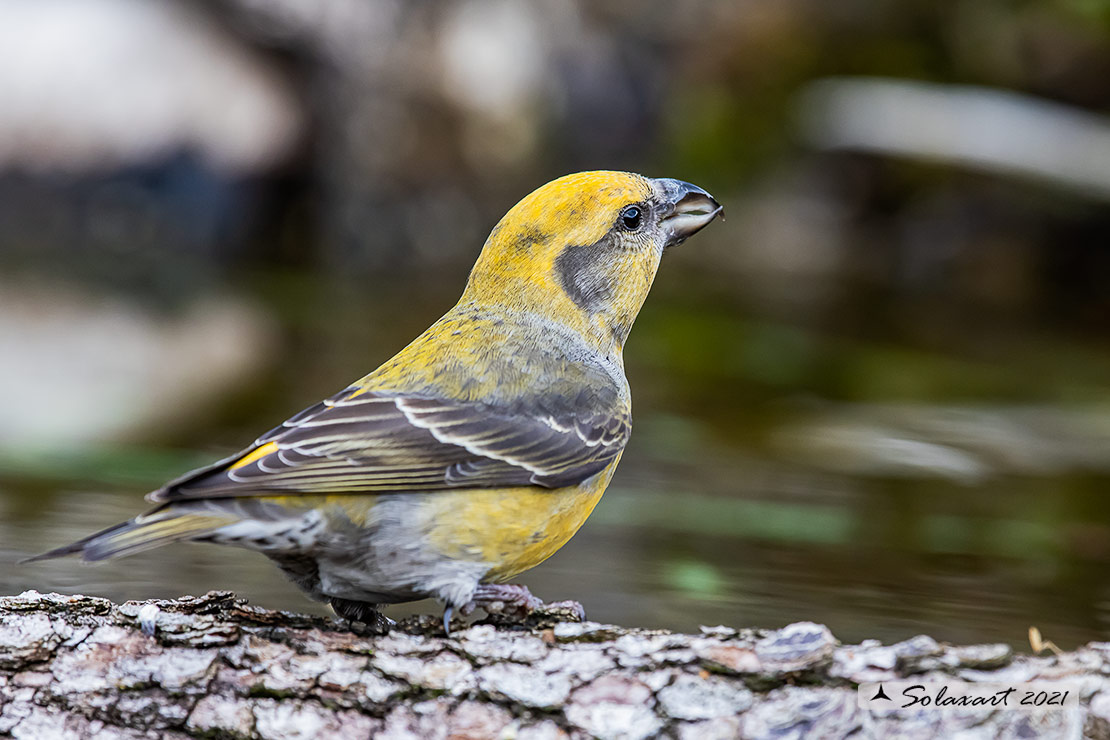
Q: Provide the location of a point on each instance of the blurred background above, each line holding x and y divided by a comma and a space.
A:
877, 397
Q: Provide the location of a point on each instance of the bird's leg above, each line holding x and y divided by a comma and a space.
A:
359, 611
517, 603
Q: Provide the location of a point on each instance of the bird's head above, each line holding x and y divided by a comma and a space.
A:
584, 249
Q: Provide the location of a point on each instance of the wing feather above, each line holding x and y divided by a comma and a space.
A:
367, 442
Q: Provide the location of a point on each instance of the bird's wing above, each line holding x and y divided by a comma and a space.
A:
370, 442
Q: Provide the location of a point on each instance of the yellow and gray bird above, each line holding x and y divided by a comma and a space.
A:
480, 448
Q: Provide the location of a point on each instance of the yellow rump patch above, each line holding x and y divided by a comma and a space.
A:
256, 454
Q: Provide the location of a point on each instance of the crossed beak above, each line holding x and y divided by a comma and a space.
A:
691, 209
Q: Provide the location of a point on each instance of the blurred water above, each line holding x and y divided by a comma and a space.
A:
780, 470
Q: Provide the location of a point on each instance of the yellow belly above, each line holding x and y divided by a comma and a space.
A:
513, 529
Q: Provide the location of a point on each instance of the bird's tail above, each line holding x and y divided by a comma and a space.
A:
161, 526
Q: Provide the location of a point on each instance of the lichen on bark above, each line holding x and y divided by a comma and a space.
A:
216, 667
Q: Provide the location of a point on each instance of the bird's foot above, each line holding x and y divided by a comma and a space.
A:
359, 612
514, 603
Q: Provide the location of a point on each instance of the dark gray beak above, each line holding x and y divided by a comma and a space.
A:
691, 209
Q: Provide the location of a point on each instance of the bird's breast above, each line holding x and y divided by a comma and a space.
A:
512, 529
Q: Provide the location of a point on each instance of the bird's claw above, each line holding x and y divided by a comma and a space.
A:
354, 613
513, 603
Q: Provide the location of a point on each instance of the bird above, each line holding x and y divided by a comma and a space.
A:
478, 450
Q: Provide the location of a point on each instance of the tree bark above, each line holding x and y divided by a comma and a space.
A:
215, 667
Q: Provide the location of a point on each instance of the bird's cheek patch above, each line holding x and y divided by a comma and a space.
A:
582, 273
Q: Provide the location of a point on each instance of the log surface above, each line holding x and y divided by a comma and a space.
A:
78, 666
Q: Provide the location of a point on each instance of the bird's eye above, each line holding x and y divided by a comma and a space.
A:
631, 218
